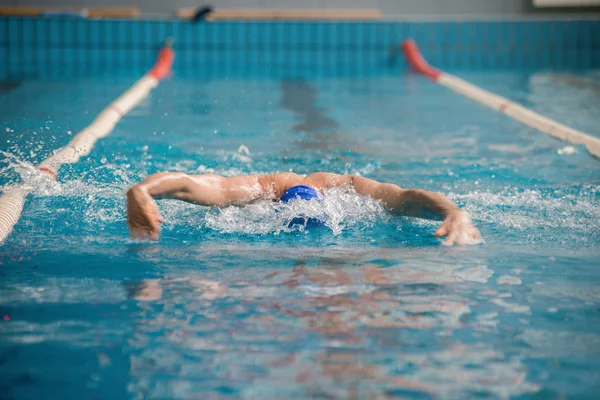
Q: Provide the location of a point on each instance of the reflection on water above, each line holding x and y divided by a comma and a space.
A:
322, 329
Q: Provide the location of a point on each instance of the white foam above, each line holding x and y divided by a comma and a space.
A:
575, 209
339, 208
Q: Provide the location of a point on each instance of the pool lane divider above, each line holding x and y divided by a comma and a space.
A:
499, 103
13, 199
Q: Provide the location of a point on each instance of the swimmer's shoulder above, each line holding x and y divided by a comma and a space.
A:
281, 181
326, 180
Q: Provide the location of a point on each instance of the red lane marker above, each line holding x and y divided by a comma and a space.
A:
164, 63
49, 172
416, 60
6, 318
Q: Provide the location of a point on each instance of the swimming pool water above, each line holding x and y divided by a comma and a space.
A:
230, 304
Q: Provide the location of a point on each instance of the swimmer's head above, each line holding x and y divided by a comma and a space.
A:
300, 192
304, 193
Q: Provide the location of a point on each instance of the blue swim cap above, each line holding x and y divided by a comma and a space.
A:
300, 192
305, 193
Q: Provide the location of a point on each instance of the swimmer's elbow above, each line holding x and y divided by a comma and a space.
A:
135, 193
167, 185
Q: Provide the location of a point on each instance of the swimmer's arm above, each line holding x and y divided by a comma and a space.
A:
407, 202
207, 190
456, 225
412, 202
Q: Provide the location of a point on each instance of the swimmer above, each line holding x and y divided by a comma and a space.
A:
213, 190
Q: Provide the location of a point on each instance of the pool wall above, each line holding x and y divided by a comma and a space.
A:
50, 48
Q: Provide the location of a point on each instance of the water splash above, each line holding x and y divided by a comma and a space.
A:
25, 174
341, 208
572, 212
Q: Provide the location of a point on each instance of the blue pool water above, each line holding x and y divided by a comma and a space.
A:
231, 304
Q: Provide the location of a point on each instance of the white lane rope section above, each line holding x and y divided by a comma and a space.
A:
521, 114
14, 197
499, 103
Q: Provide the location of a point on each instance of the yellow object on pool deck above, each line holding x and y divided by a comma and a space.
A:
96, 12
116, 12
276, 14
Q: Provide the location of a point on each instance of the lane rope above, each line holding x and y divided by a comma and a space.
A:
499, 103
13, 199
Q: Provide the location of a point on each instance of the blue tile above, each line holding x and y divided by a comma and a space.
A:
493, 35
120, 32
585, 43
254, 33
225, 34
185, 59
161, 32
585, 33
42, 47
369, 35
327, 34
185, 37
3, 62
594, 29
279, 31
173, 28
391, 34
27, 32
409, 31
15, 30
420, 34
296, 37
238, 35
595, 58
10, 63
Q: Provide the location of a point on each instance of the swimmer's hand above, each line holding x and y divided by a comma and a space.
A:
143, 216
459, 229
